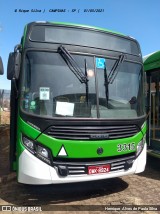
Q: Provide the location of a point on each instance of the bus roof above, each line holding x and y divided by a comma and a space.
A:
152, 61
87, 26
40, 34
77, 25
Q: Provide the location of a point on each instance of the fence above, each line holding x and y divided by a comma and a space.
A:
4, 106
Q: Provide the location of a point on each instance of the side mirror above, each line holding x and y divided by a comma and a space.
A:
1, 67
10, 66
14, 63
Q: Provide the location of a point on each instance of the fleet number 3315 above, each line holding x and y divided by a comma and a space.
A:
125, 147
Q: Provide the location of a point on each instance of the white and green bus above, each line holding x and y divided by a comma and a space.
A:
152, 69
77, 104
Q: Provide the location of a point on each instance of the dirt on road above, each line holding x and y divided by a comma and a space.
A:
4, 117
140, 189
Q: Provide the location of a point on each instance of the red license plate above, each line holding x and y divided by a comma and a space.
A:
98, 169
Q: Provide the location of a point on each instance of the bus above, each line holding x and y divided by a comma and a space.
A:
77, 104
152, 69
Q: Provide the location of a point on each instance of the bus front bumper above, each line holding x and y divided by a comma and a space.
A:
34, 171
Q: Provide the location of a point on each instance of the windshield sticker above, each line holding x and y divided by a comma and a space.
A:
44, 93
32, 105
64, 108
100, 63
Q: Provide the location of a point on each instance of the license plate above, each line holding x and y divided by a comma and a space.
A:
98, 169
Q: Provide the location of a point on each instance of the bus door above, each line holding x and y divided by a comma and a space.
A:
154, 118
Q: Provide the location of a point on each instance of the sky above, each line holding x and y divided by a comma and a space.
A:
136, 18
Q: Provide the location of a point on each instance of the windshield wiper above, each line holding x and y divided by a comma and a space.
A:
72, 64
87, 89
114, 71
106, 84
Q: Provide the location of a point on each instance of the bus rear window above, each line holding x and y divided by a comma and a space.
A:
83, 37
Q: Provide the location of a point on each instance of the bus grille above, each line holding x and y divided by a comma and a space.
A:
91, 132
121, 164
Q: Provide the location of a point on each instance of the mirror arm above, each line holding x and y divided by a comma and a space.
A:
18, 48
15, 86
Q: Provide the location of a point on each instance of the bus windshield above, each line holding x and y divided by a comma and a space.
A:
50, 89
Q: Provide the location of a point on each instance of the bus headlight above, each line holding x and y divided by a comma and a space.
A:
42, 151
28, 144
140, 146
43, 154
37, 150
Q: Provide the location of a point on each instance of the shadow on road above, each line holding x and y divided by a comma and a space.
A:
4, 150
152, 168
20, 194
